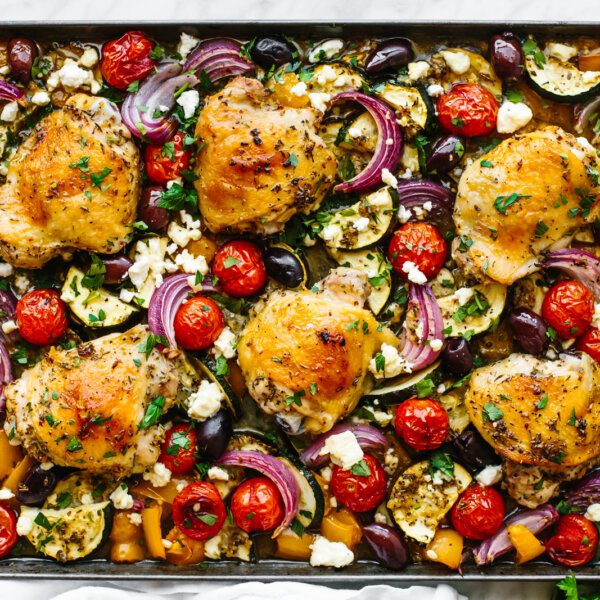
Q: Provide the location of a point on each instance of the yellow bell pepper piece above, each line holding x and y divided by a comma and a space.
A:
126, 537
446, 547
342, 526
10, 456
292, 547
151, 517
184, 550
526, 544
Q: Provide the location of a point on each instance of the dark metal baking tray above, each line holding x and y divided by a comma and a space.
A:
363, 572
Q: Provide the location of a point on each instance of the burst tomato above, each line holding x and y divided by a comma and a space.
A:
240, 268
257, 505
468, 109
575, 541
127, 59
165, 163
198, 323
422, 424
8, 529
568, 307
478, 512
198, 510
420, 244
178, 449
41, 317
589, 343
361, 488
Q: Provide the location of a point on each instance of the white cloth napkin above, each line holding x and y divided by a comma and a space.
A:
60, 590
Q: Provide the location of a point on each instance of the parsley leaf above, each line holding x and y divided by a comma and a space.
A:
491, 412
361, 469
153, 412
442, 462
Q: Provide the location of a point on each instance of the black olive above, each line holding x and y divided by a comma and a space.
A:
389, 56
457, 356
272, 51
530, 330
38, 484
284, 266
212, 435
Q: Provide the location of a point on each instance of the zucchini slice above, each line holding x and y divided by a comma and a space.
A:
361, 134
373, 263
559, 79
207, 368
349, 231
404, 387
478, 314
530, 291
414, 110
70, 533
419, 501
94, 308
458, 417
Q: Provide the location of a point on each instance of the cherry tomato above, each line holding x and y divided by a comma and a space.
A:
359, 493
8, 529
468, 109
179, 448
422, 424
478, 512
127, 59
256, 505
199, 511
589, 343
240, 268
568, 307
575, 541
165, 163
41, 316
198, 323
420, 244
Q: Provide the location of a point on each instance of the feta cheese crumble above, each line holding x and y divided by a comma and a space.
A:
593, 512
40, 98
418, 70
413, 272
89, 57
159, 476
459, 62
24, 525
561, 51
121, 499
9, 112
491, 475
330, 554
218, 474
388, 178
299, 89
361, 223
190, 99
319, 100
135, 518
435, 90
343, 450
186, 44
513, 116
6, 270
224, 344
6, 494
463, 295
394, 364
205, 402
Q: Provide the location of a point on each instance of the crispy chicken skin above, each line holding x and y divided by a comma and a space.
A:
566, 432
314, 347
548, 170
82, 407
50, 203
262, 162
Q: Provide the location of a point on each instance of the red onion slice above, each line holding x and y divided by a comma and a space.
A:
366, 436
165, 303
586, 491
5, 374
498, 544
578, 264
219, 58
583, 112
8, 91
277, 471
8, 312
386, 155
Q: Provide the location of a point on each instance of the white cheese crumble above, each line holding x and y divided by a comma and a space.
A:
354, 132
589, 76
135, 518
380, 518
299, 89
491, 475
343, 450
418, 70
24, 525
388, 178
326, 75
5, 70
413, 272
593, 512
190, 263
435, 90
89, 57
383, 418
40, 98
394, 364
167, 544
125, 295
205, 402
22, 283
361, 223
46, 466
325, 51
561, 51
6, 270
159, 476
212, 547
218, 474
463, 295
329, 233
190, 100
72, 76
186, 44
319, 100
148, 262
224, 344
9, 326
6, 494
513, 116
121, 499
404, 214
436, 345
9, 112
459, 62
182, 236
330, 554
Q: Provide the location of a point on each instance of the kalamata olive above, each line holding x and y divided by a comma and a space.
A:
530, 330
116, 268
212, 435
387, 545
272, 50
389, 56
446, 152
39, 484
21, 54
457, 356
473, 450
507, 57
283, 266
148, 210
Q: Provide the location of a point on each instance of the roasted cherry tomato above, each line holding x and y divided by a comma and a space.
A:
165, 163
179, 449
127, 59
199, 511
589, 343
468, 109
41, 317
568, 307
362, 488
240, 268
8, 529
256, 505
478, 512
198, 323
575, 541
422, 424
420, 244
